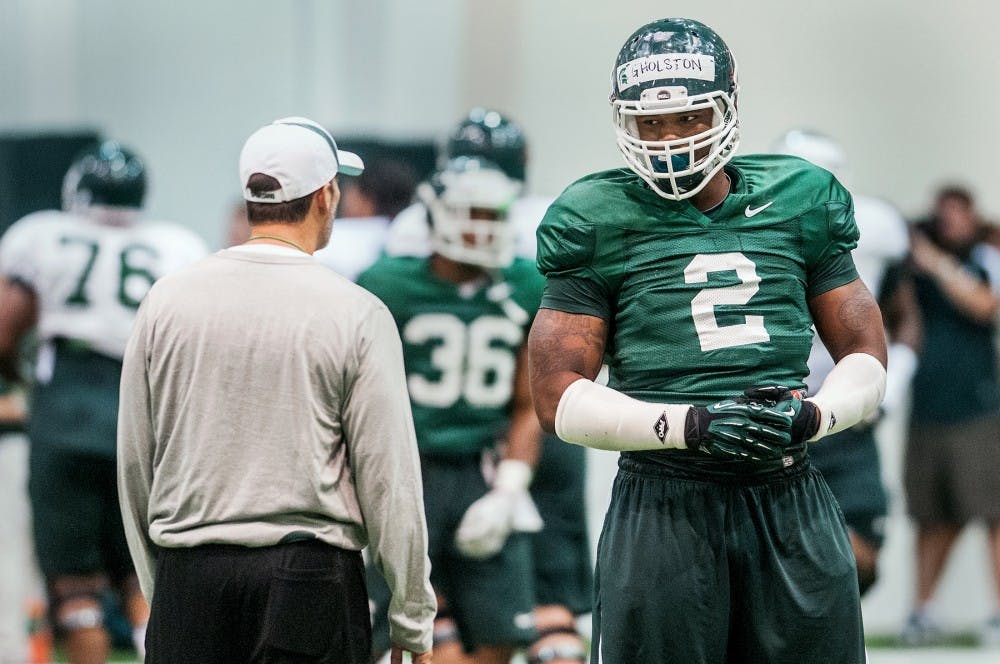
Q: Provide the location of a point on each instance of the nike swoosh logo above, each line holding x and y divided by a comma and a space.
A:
749, 212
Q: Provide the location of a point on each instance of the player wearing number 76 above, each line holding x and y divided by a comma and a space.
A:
696, 276
77, 276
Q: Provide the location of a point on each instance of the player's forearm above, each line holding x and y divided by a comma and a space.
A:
19, 309
12, 407
524, 437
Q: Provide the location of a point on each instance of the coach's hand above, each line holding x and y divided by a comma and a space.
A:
738, 429
507, 508
803, 415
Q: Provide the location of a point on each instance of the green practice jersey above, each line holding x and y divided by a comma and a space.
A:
460, 347
701, 305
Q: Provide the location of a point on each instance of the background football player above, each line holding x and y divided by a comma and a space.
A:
77, 277
489, 134
463, 314
849, 460
562, 560
697, 276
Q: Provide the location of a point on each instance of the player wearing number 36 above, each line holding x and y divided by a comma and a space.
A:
78, 275
697, 275
463, 314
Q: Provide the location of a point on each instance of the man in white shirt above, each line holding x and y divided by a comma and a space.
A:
265, 437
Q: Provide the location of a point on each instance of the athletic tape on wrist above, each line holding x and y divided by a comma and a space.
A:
513, 475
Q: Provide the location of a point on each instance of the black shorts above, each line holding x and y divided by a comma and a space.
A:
286, 604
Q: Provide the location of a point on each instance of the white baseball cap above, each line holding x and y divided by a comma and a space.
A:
297, 152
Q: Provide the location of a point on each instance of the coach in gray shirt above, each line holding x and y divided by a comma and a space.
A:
265, 437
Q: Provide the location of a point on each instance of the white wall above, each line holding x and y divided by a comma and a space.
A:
908, 86
185, 82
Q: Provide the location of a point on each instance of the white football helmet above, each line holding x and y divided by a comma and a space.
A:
467, 203
815, 147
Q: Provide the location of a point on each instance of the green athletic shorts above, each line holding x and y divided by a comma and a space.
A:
564, 573
490, 600
750, 569
76, 518
77, 409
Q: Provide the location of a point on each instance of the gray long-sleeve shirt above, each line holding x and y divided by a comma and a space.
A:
263, 394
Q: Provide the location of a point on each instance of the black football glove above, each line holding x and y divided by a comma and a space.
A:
804, 415
738, 429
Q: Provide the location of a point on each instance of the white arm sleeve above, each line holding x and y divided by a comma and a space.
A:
596, 416
852, 391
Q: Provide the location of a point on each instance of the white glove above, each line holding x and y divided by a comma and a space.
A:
506, 508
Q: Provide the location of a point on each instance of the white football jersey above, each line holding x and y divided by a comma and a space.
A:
89, 278
356, 243
885, 240
409, 233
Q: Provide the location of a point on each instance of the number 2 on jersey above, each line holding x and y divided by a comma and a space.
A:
711, 335
467, 358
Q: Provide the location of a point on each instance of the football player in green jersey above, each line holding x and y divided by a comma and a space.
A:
463, 314
697, 277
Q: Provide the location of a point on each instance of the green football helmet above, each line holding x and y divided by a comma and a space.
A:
675, 65
467, 204
489, 134
107, 175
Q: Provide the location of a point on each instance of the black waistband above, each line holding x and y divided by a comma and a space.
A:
293, 541
11, 427
700, 466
